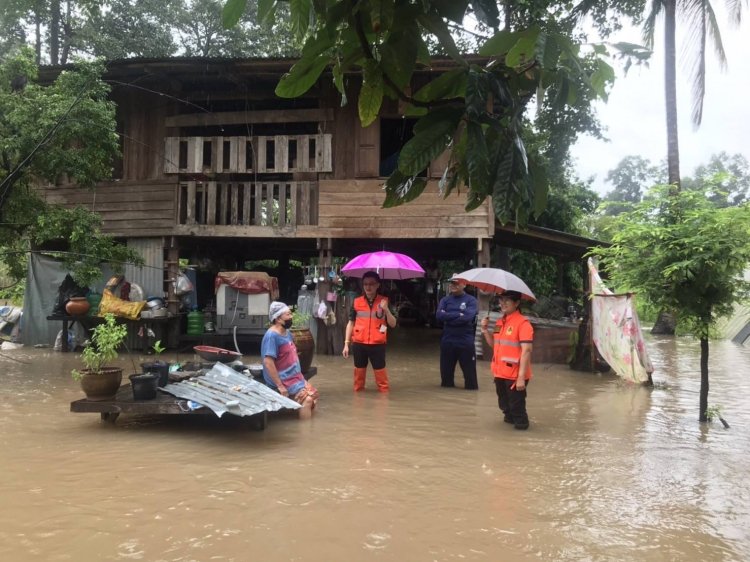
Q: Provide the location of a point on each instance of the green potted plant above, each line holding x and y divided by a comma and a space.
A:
158, 366
98, 380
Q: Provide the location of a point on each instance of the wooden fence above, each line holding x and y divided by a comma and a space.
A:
272, 203
258, 154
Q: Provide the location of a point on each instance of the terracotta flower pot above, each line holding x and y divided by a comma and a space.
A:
103, 385
77, 306
305, 344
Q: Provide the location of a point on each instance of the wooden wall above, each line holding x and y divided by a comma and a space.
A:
353, 209
144, 117
128, 209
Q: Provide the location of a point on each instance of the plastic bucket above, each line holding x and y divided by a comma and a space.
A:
159, 368
144, 385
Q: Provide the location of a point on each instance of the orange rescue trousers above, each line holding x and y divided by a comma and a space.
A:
381, 379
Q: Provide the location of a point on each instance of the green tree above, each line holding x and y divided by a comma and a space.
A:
202, 33
728, 178
680, 252
66, 128
476, 110
632, 176
118, 29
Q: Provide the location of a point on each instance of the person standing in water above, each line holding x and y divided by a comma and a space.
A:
511, 341
458, 313
366, 333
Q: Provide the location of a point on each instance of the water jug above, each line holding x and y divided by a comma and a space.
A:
94, 300
195, 323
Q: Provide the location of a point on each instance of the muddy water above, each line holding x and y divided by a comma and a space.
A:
606, 472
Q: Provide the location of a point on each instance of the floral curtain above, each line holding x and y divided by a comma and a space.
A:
617, 332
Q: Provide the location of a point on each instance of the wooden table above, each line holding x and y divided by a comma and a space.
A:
89, 321
123, 403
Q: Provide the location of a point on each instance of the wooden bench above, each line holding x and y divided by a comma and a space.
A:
123, 403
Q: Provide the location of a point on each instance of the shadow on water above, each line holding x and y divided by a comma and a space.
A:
608, 471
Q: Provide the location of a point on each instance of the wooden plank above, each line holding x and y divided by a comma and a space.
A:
247, 191
237, 159
222, 195
280, 197
281, 153
234, 190
398, 222
217, 155
195, 155
171, 155
435, 211
260, 154
303, 202
325, 164
292, 188
368, 150
250, 117
210, 214
258, 219
303, 153
191, 199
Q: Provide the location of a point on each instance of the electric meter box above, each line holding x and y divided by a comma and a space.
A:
249, 313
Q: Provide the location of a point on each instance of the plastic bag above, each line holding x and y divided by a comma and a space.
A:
182, 285
119, 307
322, 310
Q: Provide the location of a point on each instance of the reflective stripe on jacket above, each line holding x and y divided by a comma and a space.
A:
368, 321
506, 356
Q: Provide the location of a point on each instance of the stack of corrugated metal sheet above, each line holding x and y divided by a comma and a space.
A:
224, 390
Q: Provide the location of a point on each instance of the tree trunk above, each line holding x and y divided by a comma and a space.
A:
665, 324
670, 91
54, 32
703, 417
38, 42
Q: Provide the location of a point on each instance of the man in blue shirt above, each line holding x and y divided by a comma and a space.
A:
458, 313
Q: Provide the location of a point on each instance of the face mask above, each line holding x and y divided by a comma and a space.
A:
288, 324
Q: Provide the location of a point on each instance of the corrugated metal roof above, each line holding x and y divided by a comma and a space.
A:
224, 390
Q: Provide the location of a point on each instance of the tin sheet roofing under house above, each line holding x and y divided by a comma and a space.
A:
222, 390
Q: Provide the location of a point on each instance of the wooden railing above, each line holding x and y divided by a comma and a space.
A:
256, 154
271, 203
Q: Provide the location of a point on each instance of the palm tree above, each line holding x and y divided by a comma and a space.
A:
702, 27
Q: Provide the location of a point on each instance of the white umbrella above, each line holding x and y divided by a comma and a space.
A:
495, 280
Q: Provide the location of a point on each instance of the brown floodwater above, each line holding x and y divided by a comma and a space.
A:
608, 471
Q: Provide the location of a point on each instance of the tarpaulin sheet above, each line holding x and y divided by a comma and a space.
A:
249, 282
43, 278
617, 332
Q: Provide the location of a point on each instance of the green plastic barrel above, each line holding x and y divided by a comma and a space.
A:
195, 323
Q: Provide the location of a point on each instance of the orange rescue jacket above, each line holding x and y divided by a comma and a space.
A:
510, 332
368, 321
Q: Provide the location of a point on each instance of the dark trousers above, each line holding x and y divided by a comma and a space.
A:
511, 401
465, 355
372, 353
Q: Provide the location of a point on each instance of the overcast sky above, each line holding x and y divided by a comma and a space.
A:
635, 120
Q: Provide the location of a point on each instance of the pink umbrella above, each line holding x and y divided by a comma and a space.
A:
388, 265
495, 280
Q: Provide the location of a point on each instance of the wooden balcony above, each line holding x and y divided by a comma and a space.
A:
242, 155
272, 203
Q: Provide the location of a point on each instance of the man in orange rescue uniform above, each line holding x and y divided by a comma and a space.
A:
511, 358
366, 333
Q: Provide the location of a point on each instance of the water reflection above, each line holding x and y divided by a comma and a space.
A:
608, 471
